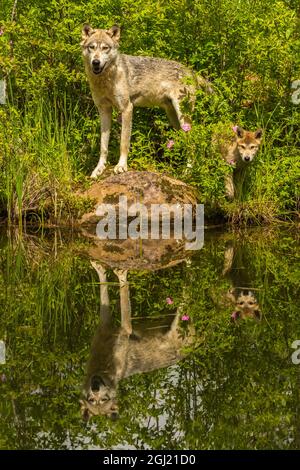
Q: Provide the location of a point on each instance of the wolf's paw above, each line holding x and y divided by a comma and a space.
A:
120, 168
121, 275
98, 171
101, 270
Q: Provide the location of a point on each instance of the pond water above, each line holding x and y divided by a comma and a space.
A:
203, 360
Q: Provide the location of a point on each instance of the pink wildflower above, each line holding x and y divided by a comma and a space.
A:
169, 301
170, 144
186, 127
235, 316
185, 318
235, 128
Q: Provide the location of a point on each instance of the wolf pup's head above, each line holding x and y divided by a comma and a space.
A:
100, 47
99, 399
246, 306
248, 143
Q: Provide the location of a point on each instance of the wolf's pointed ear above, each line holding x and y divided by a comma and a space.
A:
239, 132
258, 134
114, 32
87, 31
84, 411
258, 315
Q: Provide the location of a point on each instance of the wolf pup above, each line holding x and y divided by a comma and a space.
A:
123, 81
243, 300
246, 305
238, 152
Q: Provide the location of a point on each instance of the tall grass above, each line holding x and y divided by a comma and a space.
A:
41, 160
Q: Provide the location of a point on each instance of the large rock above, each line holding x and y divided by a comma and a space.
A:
138, 186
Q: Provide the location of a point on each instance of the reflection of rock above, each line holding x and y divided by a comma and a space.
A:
138, 186
136, 254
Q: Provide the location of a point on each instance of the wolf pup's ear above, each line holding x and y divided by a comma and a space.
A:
258, 315
258, 134
114, 32
84, 411
239, 132
87, 31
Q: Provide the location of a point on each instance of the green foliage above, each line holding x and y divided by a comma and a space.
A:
49, 131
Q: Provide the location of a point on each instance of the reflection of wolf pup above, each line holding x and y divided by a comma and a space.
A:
244, 301
123, 81
117, 353
238, 152
246, 305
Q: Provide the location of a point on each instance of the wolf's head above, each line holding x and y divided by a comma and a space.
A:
99, 398
246, 306
248, 143
100, 47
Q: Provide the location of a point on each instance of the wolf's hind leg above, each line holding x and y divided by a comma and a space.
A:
184, 121
172, 116
229, 186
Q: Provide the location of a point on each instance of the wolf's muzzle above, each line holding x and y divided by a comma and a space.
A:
96, 383
96, 66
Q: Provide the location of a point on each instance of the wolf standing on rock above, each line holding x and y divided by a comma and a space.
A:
123, 81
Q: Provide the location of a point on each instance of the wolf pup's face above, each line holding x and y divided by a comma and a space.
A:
99, 399
248, 143
246, 307
100, 47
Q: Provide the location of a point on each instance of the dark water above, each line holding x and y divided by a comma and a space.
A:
207, 365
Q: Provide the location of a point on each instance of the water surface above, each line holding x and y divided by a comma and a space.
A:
233, 387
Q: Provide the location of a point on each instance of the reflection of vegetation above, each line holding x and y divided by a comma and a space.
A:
238, 390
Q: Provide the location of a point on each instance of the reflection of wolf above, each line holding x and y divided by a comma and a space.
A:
117, 353
243, 300
122, 81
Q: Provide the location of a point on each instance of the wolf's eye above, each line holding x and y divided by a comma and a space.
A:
106, 398
242, 146
91, 47
105, 48
252, 147
92, 401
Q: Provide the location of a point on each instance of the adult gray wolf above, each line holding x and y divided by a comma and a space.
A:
122, 81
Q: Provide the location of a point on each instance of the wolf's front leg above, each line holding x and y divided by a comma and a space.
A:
228, 260
105, 116
229, 186
105, 314
121, 167
124, 300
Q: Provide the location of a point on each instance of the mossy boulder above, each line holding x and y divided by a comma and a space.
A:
139, 187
